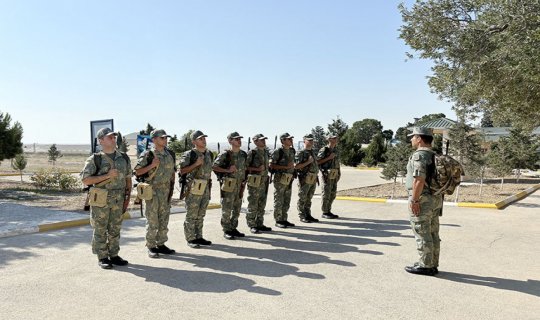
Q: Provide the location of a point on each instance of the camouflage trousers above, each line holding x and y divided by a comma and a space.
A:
282, 199
196, 210
157, 213
231, 203
305, 194
107, 222
256, 204
329, 189
425, 228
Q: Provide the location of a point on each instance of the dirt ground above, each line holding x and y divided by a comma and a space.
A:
491, 191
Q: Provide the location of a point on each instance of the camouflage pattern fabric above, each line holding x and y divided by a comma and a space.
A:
306, 191
447, 177
282, 193
418, 167
158, 209
231, 203
257, 195
329, 187
107, 221
196, 205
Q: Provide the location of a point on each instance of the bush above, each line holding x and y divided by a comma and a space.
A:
55, 179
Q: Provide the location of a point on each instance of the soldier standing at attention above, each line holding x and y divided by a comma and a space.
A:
308, 170
159, 165
257, 167
423, 205
109, 172
230, 167
282, 164
197, 165
328, 160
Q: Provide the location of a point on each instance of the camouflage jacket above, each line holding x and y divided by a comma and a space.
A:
166, 168
119, 162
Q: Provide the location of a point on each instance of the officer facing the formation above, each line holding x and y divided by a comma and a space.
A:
230, 168
423, 205
282, 164
328, 160
196, 179
109, 172
257, 168
308, 170
157, 168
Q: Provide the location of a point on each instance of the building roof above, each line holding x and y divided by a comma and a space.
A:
438, 125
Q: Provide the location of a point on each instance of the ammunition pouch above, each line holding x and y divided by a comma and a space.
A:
333, 174
97, 197
254, 180
198, 186
286, 178
228, 184
311, 178
144, 191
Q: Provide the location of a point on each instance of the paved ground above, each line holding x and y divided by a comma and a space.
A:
343, 269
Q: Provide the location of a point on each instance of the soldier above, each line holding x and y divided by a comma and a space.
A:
109, 172
423, 205
328, 161
282, 164
230, 167
159, 168
308, 170
196, 169
257, 167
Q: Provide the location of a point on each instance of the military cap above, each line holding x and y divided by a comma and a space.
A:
308, 136
258, 136
159, 133
105, 132
197, 134
234, 135
285, 136
421, 131
331, 136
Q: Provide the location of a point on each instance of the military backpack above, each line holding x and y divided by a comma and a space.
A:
444, 174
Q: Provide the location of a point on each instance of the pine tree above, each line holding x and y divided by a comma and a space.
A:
337, 127
54, 154
396, 163
19, 164
319, 138
375, 151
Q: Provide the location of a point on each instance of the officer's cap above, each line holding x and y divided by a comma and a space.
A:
159, 133
258, 136
421, 131
105, 132
197, 134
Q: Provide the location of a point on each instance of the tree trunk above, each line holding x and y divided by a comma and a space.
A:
393, 188
20, 171
502, 181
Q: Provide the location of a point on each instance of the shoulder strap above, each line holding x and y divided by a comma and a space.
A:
97, 161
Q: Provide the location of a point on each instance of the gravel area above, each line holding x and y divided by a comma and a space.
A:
491, 191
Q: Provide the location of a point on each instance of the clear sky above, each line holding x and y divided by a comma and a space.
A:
253, 66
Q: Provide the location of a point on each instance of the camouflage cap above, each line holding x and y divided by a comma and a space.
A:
285, 136
234, 135
331, 136
308, 137
105, 132
258, 136
197, 134
159, 133
421, 131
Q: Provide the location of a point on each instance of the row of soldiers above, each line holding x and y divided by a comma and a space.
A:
109, 173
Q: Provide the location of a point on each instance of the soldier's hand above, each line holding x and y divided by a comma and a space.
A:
310, 159
113, 173
332, 156
232, 169
261, 167
199, 161
155, 162
290, 165
415, 208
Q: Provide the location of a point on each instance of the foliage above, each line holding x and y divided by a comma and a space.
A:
19, 163
402, 132
375, 151
183, 144
148, 130
396, 162
121, 143
319, 138
484, 54
466, 148
351, 151
55, 179
10, 137
337, 127
363, 131
498, 159
522, 149
387, 135
54, 154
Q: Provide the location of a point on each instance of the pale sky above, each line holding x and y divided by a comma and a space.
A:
219, 66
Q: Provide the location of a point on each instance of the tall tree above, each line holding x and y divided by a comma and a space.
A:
523, 149
498, 159
366, 129
54, 154
396, 163
319, 138
375, 151
351, 149
10, 137
466, 147
122, 143
148, 130
182, 144
484, 54
338, 127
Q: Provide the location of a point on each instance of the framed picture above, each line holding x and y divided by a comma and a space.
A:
95, 126
143, 143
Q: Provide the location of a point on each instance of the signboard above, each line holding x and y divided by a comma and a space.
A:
143, 143
94, 128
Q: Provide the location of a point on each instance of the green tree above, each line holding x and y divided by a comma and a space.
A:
121, 143
523, 148
338, 127
10, 137
319, 138
484, 54
54, 154
19, 164
375, 151
498, 159
148, 130
396, 163
351, 150
183, 144
366, 129
465, 146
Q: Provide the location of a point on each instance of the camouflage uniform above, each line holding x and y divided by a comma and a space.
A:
425, 226
306, 191
158, 208
329, 187
282, 193
257, 195
107, 221
231, 202
196, 204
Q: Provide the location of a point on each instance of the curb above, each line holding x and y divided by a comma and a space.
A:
499, 205
368, 169
131, 214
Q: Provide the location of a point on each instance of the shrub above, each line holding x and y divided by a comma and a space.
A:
55, 179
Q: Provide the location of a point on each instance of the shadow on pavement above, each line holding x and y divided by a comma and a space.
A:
196, 281
531, 287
